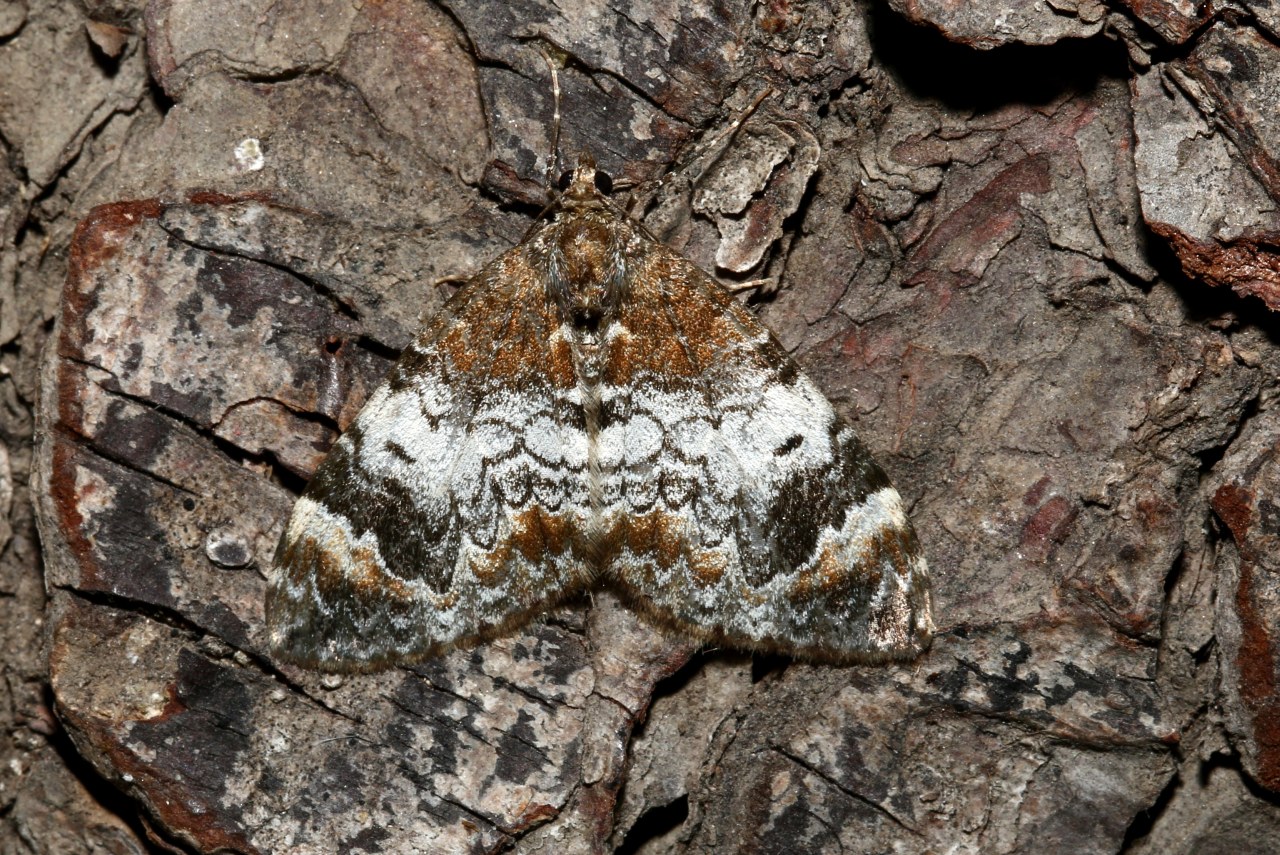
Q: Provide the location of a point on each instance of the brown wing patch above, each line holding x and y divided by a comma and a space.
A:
656, 543
831, 578
536, 536
361, 575
672, 327
503, 323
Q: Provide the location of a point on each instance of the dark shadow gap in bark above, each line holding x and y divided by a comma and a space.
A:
930, 66
1147, 818
1215, 306
766, 664
1210, 457
1231, 763
672, 685
654, 823
158, 97
372, 345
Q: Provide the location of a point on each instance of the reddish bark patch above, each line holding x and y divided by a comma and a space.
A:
1255, 660
1249, 265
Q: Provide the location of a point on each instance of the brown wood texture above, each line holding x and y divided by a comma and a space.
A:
1028, 248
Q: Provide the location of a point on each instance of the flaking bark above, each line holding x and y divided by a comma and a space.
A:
1039, 280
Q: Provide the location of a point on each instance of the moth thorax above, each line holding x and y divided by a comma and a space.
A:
590, 271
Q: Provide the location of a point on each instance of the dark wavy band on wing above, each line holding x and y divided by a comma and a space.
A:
767, 524
455, 504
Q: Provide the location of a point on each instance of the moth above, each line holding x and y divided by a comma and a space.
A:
593, 409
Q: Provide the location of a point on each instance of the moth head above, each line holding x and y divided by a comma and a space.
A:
584, 186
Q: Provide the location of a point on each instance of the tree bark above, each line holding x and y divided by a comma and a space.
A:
1028, 249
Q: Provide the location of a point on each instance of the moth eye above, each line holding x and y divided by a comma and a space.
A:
604, 182
565, 178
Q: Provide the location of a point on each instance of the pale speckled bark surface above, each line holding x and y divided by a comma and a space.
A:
1039, 279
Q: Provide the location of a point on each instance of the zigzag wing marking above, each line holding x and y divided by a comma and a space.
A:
455, 504
741, 508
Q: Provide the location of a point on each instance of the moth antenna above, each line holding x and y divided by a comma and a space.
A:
553, 157
637, 204
730, 132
